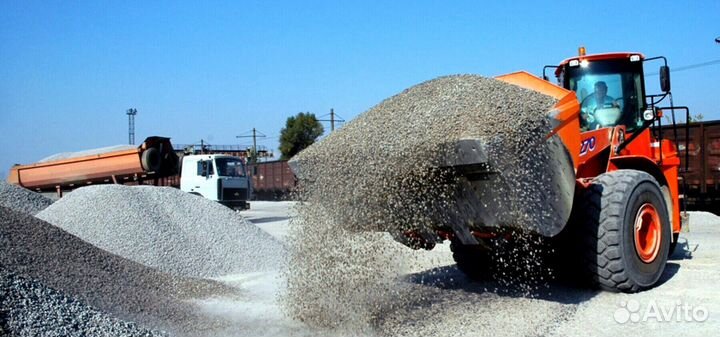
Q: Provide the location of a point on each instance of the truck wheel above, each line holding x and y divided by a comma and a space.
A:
474, 261
625, 231
150, 160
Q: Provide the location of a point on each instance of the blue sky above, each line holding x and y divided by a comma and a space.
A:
214, 70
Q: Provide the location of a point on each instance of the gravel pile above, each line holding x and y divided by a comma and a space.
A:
379, 173
36, 250
68, 155
167, 229
29, 308
21, 199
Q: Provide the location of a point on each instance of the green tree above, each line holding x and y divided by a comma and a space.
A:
697, 118
300, 131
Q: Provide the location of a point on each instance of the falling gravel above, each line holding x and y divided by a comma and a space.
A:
21, 199
34, 249
167, 229
382, 172
29, 308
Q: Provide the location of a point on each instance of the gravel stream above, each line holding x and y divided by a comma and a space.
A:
379, 174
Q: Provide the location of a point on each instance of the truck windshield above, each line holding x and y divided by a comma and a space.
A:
230, 167
610, 92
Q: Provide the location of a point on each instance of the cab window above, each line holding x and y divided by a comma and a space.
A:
205, 164
610, 92
230, 167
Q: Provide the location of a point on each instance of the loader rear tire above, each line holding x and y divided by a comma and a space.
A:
616, 256
474, 261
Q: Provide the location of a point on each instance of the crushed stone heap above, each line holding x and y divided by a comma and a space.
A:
22, 199
166, 228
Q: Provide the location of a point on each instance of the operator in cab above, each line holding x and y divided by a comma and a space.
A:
598, 99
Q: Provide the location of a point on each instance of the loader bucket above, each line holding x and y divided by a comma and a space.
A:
536, 193
564, 117
532, 191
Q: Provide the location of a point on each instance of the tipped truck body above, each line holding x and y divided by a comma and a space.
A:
154, 158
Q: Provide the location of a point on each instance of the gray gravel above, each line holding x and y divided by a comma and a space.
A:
21, 199
377, 171
29, 308
167, 229
377, 174
438, 300
36, 250
68, 155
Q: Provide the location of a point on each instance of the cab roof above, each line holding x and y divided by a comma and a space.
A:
598, 57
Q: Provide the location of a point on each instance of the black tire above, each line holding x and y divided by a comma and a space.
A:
151, 160
474, 261
606, 235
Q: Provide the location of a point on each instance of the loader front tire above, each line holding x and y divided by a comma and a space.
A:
625, 231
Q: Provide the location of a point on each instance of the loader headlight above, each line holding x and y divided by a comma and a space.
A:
649, 115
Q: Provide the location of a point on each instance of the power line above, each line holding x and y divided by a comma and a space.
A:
254, 136
333, 118
699, 65
691, 66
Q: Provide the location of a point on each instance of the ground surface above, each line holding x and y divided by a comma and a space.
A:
685, 303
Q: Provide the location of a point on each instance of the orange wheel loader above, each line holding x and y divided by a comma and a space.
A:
612, 180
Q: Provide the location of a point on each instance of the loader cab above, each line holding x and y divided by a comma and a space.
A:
610, 88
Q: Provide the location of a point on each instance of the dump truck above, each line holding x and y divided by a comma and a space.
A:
609, 189
217, 177
153, 159
221, 178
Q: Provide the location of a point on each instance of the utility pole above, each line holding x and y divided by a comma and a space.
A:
333, 118
255, 135
131, 125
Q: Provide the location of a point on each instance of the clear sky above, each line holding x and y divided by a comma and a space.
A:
214, 70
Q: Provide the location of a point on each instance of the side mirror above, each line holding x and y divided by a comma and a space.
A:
204, 171
665, 78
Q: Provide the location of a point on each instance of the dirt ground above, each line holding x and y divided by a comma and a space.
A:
686, 302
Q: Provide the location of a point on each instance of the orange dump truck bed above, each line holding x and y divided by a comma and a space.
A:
154, 158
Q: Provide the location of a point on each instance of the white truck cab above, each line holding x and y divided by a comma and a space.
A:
221, 178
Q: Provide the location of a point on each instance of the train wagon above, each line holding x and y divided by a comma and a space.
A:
701, 186
272, 180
